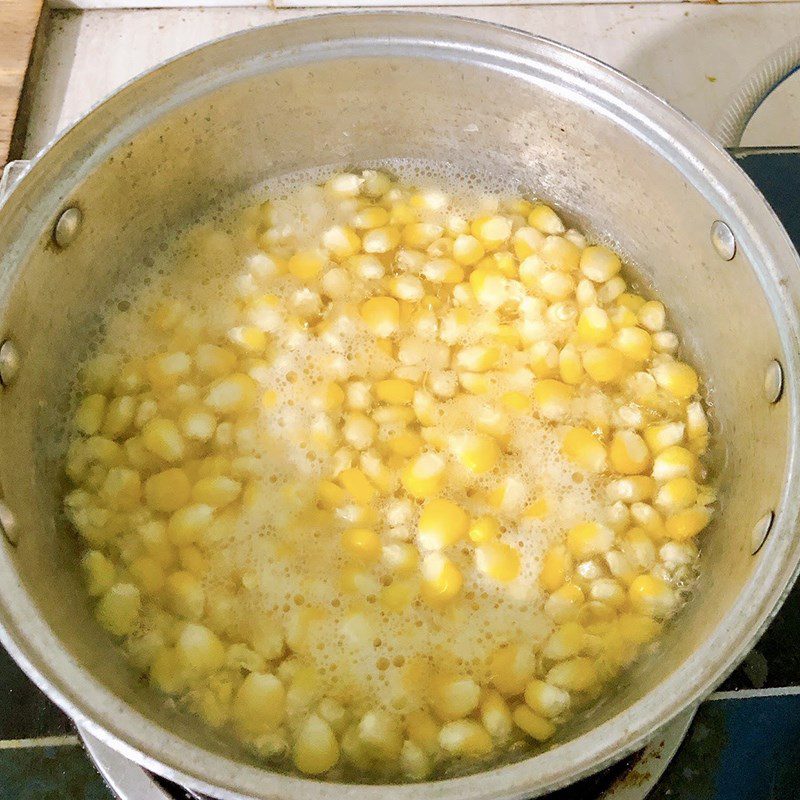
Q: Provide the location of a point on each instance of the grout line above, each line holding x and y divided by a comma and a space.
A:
747, 694
42, 741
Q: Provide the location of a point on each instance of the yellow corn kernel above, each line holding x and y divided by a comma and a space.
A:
564, 604
394, 390
556, 568
594, 326
496, 716
168, 369
565, 642
467, 250
556, 285
216, 491
652, 315
552, 398
362, 543
248, 337
634, 343
118, 609
327, 396
474, 382
652, 596
232, 394
478, 452
581, 447
380, 734
527, 241
381, 315
638, 628
599, 264
535, 726
547, 700
187, 523
570, 367
489, 286
677, 378
497, 560
465, 737
537, 509
623, 317
423, 476
167, 490
306, 265
369, 217
330, 495
675, 462
629, 453
574, 675
607, 591
477, 358
356, 483
544, 219
441, 579
453, 696
197, 422
98, 573
560, 253
516, 401
663, 435
423, 730
630, 301
696, 426
443, 270
342, 241
676, 495
381, 240
398, 596
543, 359
162, 437
686, 524
511, 667
492, 232
441, 524
603, 364
214, 361
405, 444
589, 539
89, 416
121, 489
420, 235
484, 529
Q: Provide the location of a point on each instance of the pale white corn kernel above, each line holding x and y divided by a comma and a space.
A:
118, 609
548, 700
675, 554
608, 292
618, 516
335, 283
359, 430
381, 734
305, 302
346, 184
619, 566
496, 716
587, 571
357, 396
585, 293
608, 591
443, 383
199, 649
414, 761
565, 642
665, 342
653, 316
465, 737
407, 287
147, 410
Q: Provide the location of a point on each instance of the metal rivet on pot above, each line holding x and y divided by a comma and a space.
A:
67, 226
9, 362
723, 240
773, 382
760, 532
8, 524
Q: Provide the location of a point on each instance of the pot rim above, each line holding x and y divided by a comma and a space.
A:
676, 139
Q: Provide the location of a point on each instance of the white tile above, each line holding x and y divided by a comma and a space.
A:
693, 55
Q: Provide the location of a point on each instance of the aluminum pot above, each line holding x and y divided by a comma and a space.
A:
345, 89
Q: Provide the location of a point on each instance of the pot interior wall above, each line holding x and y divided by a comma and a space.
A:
254, 123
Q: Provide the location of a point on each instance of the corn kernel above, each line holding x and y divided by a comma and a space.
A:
478, 358
453, 696
216, 491
306, 265
565, 642
544, 219
474, 382
476, 451
594, 326
118, 609
676, 495
497, 560
441, 524
162, 437
589, 539
484, 529
356, 483
537, 509
547, 700
511, 667
168, 369
686, 524
527, 241
89, 415
98, 572
467, 250
343, 241
580, 446
248, 337
381, 240
556, 568
423, 730
570, 366
674, 462
560, 253
533, 725
677, 378
650, 595
465, 737
634, 343
423, 476
574, 675
442, 580
543, 359
564, 603
492, 232
362, 543
394, 390
652, 315
187, 523
232, 394
496, 716
603, 364
628, 453
552, 398
381, 315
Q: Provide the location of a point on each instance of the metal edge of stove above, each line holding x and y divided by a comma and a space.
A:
128, 781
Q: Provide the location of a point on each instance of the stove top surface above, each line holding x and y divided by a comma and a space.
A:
743, 744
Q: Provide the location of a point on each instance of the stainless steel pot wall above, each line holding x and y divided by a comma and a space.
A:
344, 89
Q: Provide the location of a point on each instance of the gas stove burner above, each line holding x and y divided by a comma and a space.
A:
630, 779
